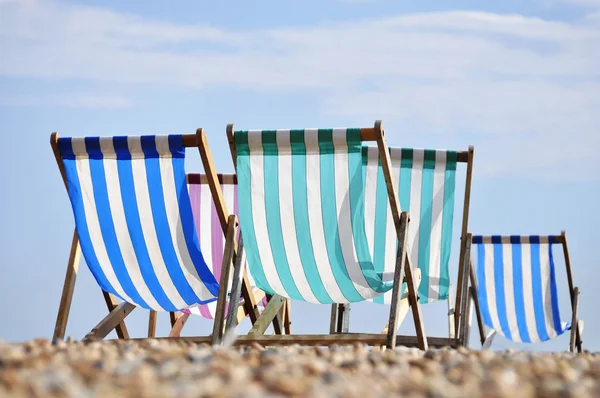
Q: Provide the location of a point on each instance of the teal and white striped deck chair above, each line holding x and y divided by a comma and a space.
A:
517, 294
135, 228
426, 181
304, 233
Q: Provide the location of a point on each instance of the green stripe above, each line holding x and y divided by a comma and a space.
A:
447, 222
357, 198
303, 235
425, 223
329, 214
381, 207
245, 210
273, 213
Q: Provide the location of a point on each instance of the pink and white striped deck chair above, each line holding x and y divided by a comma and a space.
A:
210, 235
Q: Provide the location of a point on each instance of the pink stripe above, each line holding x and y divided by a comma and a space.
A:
195, 202
217, 243
205, 312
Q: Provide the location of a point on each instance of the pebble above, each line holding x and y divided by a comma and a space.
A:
163, 368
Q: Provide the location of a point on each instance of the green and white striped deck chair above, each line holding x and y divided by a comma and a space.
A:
425, 180
303, 224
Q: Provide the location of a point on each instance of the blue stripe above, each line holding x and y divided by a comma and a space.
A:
303, 236
132, 217
85, 240
447, 223
273, 214
186, 218
553, 291
105, 220
329, 215
245, 210
381, 211
482, 288
517, 263
538, 298
161, 224
499, 290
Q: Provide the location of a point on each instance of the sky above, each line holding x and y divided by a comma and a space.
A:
518, 80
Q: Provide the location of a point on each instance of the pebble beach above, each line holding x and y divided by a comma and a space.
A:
161, 368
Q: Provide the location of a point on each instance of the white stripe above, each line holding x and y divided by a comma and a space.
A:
344, 214
228, 190
176, 229
391, 236
113, 187
416, 183
509, 292
259, 216
91, 216
315, 217
142, 193
528, 289
546, 292
206, 225
490, 286
288, 223
437, 211
371, 172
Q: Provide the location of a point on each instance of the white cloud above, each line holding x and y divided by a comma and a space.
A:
69, 100
519, 83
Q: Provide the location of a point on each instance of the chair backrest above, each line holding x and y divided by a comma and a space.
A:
425, 181
134, 219
302, 214
208, 228
516, 284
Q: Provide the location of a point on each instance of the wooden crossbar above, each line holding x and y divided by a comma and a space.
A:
505, 239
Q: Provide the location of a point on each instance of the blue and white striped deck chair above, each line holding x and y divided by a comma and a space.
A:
517, 290
134, 225
303, 222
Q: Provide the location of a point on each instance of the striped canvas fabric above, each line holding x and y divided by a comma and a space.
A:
302, 216
425, 181
517, 287
210, 233
134, 219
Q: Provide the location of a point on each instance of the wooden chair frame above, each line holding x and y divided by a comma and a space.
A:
575, 341
118, 312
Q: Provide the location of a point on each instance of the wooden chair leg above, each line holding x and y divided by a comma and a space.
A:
226, 265
451, 312
110, 322
68, 287
333, 320
176, 329
236, 286
267, 316
574, 319
111, 304
152, 324
173, 318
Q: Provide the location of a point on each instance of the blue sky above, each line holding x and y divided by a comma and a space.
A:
519, 81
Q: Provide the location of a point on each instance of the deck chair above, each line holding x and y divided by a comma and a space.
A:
210, 235
517, 295
134, 227
425, 180
303, 227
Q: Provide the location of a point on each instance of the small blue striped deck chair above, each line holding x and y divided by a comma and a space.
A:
135, 228
303, 226
517, 291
